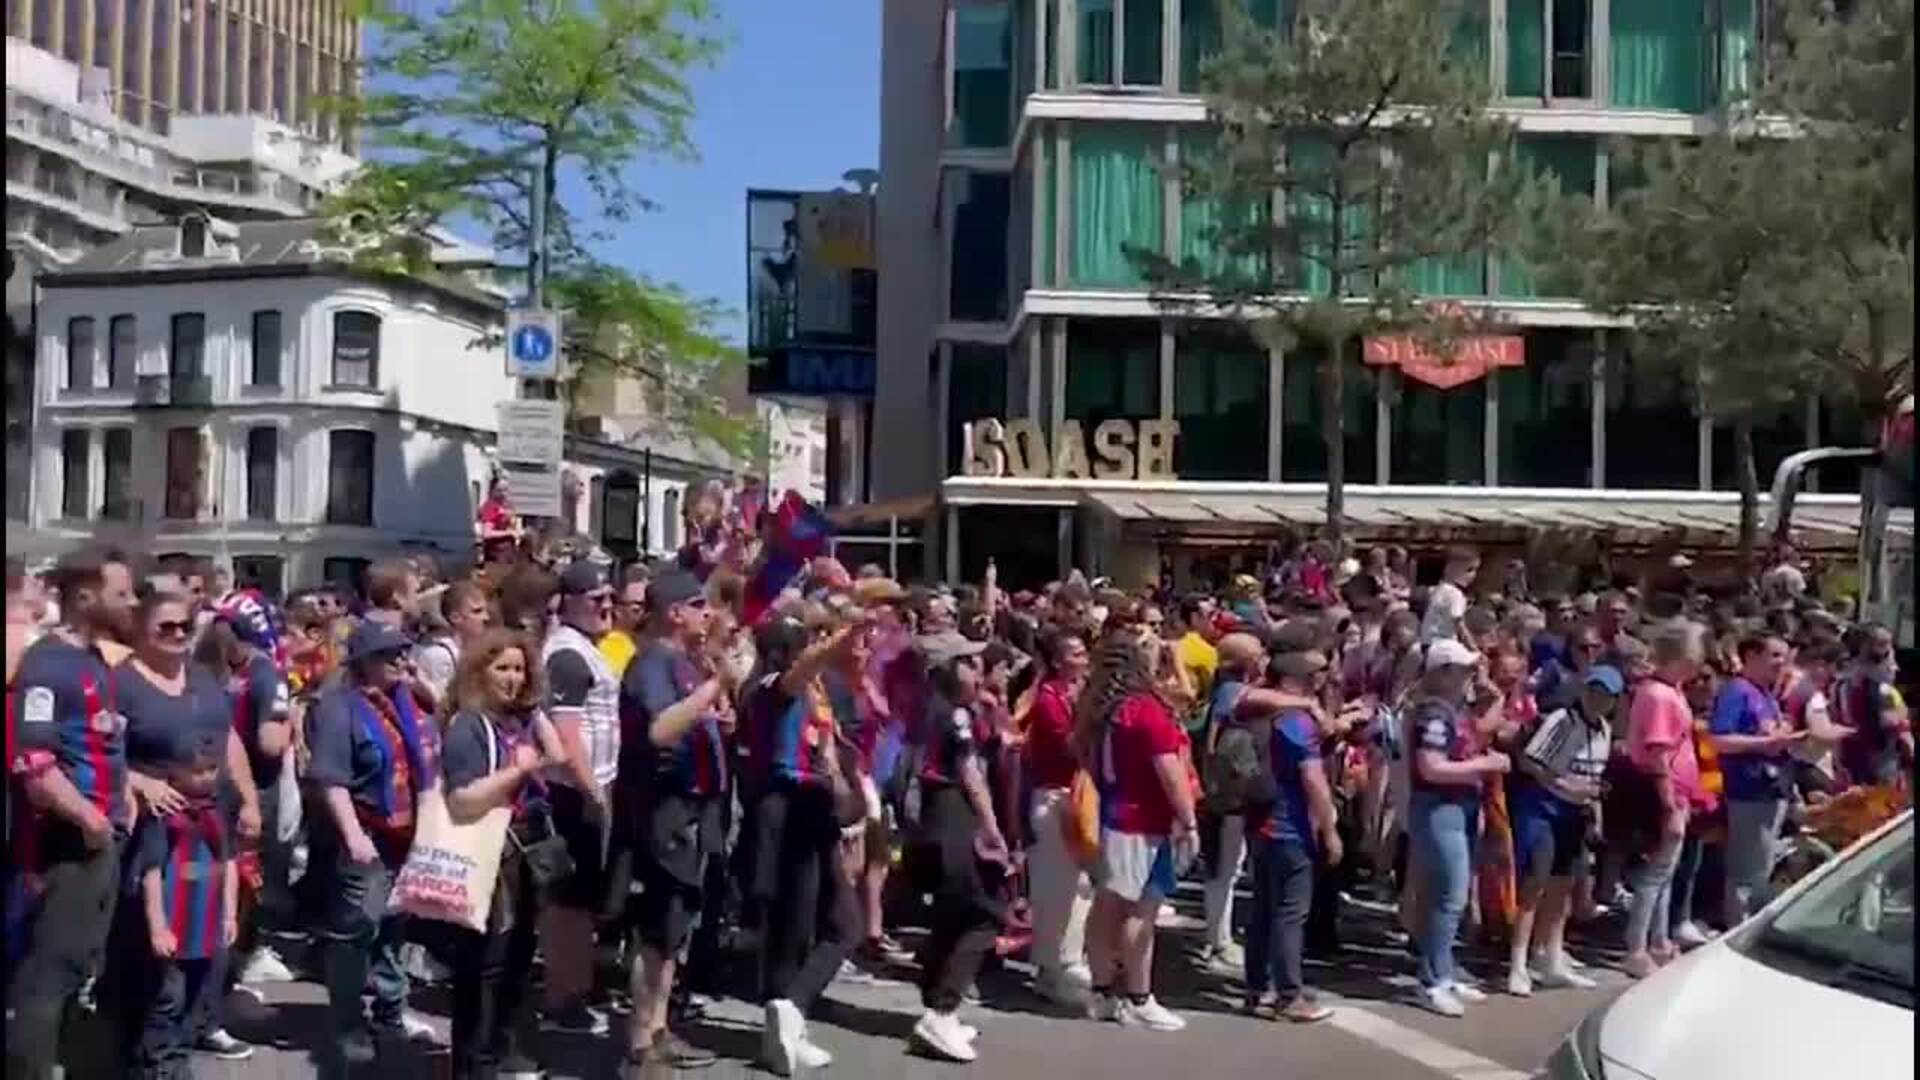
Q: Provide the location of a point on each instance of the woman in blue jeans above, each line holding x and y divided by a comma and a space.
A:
1443, 815
370, 755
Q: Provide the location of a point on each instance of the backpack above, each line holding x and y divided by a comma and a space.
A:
1239, 775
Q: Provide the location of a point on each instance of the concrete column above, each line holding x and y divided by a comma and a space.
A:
195, 99
1168, 347
1062, 202
143, 56
1276, 409
950, 542
1597, 427
1384, 381
1170, 46
83, 49
57, 32
20, 25
1057, 380
1037, 335
269, 46
169, 89
220, 71
243, 73
1063, 542
1490, 442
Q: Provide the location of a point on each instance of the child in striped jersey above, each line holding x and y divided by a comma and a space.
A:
183, 867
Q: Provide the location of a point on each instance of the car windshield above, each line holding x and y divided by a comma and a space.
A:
1852, 929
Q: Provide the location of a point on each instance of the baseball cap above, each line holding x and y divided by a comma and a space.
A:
871, 592
1450, 653
582, 576
947, 646
1606, 677
674, 586
371, 638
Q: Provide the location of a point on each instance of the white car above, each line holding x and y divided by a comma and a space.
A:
1818, 984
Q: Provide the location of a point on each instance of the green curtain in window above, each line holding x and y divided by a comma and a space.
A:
1526, 48
1571, 161
1659, 54
1739, 50
1460, 275
1199, 39
1201, 216
1220, 398
1095, 41
1113, 369
1117, 202
1470, 36
1311, 159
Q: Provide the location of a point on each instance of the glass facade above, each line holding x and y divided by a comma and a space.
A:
976, 389
1660, 54
977, 274
982, 75
1774, 437
1572, 162
1113, 370
1545, 412
1220, 380
1438, 436
1303, 448
1202, 219
1653, 429
1119, 42
1118, 201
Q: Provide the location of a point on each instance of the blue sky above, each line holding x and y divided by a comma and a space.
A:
793, 103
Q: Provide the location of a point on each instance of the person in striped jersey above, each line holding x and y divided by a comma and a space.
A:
187, 906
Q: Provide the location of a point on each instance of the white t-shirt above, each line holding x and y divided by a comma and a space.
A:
1445, 607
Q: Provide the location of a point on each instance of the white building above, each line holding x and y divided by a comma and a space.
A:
796, 447
236, 391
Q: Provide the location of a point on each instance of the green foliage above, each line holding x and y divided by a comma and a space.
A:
469, 101
1365, 123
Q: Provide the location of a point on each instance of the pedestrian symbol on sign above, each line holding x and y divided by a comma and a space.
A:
533, 346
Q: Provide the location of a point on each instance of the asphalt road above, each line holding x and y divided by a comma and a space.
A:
1375, 1033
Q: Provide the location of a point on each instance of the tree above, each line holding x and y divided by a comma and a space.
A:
1350, 151
477, 107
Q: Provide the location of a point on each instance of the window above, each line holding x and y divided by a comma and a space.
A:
1113, 371
266, 348
1652, 433
670, 519
116, 502
982, 75
193, 237
350, 478
268, 573
1303, 442
976, 389
82, 352
1439, 436
345, 573
1129, 28
1659, 54
977, 277
356, 349
263, 470
186, 472
186, 347
1220, 399
1205, 232
76, 459
1200, 33
1549, 48
1117, 203
1546, 412
1572, 163
122, 351
1777, 432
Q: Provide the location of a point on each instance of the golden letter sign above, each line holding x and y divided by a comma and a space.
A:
1122, 450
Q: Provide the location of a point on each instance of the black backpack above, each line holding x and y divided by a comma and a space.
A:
1239, 776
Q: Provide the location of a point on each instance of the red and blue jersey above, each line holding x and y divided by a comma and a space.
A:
658, 678
803, 736
64, 717
381, 754
189, 851
259, 697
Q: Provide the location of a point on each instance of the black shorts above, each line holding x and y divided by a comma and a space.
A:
665, 913
588, 887
1547, 846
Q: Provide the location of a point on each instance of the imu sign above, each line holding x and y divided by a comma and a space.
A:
1121, 450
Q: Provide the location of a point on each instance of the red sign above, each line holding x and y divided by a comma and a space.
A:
1471, 357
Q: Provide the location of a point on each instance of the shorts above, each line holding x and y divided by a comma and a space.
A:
665, 913
1548, 845
877, 846
1135, 867
588, 887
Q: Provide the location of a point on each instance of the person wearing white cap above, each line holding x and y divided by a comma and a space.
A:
1446, 778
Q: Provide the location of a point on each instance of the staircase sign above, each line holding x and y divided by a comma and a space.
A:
533, 343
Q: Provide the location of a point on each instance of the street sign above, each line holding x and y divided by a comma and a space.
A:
533, 343
532, 490
532, 433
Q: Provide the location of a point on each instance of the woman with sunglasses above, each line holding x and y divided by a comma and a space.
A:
169, 702
370, 751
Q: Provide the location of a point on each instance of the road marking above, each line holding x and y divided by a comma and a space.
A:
1419, 1046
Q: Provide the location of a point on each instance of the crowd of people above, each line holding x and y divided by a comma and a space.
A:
211, 788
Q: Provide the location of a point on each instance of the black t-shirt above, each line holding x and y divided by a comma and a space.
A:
162, 726
465, 757
569, 679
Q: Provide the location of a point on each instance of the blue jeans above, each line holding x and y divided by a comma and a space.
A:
1652, 884
1276, 929
1753, 835
363, 948
1441, 832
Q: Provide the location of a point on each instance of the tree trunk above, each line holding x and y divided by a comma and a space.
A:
1748, 475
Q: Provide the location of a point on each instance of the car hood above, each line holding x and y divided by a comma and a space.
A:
1717, 1013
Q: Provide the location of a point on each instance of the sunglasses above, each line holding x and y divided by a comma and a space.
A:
174, 627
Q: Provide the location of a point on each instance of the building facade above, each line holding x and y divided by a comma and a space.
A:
236, 392
1033, 162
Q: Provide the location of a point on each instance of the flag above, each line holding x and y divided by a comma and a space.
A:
795, 533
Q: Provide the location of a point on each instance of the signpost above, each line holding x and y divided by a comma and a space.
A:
533, 343
532, 440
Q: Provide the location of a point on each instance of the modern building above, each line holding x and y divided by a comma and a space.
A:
239, 391
114, 121
1022, 142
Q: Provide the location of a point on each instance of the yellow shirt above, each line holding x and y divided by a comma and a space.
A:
1201, 659
617, 646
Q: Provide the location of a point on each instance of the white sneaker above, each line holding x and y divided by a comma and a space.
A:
780, 1036
1224, 959
265, 966
811, 1055
1468, 993
1060, 988
220, 1044
1556, 977
1520, 982
940, 1033
1440, 999
1103, 1007
416, 1028
1690, 935
1080, 975
1149, 1014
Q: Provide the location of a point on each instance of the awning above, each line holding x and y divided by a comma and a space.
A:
877, 514
1476, 512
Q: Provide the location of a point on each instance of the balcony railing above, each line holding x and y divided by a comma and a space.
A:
175, 391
